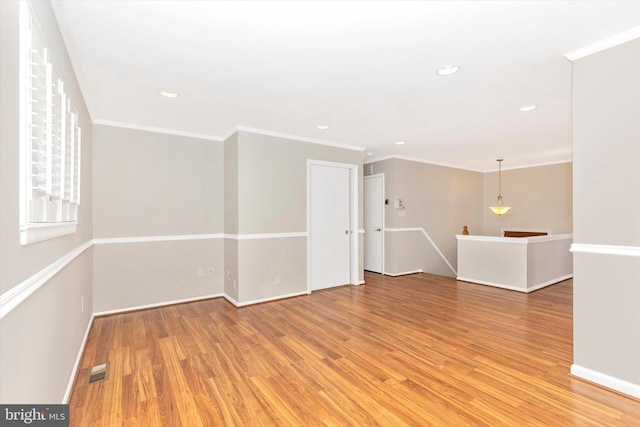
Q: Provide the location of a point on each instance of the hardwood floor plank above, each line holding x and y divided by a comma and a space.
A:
412, 350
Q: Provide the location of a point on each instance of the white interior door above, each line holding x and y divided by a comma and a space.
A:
329, 227
374, 223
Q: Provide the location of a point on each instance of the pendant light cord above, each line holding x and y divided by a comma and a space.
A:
499, 177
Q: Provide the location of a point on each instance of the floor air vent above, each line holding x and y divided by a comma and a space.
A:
98, 373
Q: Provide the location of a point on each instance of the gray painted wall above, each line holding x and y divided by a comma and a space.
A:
606, 122
442, 200
50, 322
153, 184
272, 198
540, 198
272, 181
439, 199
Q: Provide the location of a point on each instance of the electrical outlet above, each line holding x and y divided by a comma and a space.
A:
276, 281
210, 271
228, 275
200, 272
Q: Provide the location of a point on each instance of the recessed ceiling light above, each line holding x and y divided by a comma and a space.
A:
448, 70
528, 108
399, 142
168, 94
369, 154
323, 127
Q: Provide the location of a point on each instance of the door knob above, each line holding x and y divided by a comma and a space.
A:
346, 231
378, 229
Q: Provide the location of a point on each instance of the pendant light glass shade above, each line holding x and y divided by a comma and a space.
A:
499, 208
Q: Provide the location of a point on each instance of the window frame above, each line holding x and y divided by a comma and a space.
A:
50, 141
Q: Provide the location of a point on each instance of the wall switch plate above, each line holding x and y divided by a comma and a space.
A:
210, 271
200, 272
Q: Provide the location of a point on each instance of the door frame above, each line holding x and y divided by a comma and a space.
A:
353, 218
384, 219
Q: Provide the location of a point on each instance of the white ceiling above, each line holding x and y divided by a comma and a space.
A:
365, 69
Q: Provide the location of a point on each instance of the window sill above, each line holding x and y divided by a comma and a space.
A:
32, 233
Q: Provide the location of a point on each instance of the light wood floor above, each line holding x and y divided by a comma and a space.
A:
416, 350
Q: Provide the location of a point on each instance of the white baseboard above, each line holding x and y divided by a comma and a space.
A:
487, 283
159, 304
231, 300
607, 381
74, 371
403, 273
260, 300
359, 282
550, 282
515, 288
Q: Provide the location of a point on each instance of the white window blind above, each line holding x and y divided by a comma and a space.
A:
49, 144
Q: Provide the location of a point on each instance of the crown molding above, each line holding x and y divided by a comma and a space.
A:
415, 159
228, 134
157, 130
299, 138
535, 165
601, 45
446, 165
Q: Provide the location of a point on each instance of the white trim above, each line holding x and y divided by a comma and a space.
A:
550, 282
147, 239
605, 380
548, 238
157, 130
425, 234
447, 165
495, 239
76, 365
359, 282
231, 300
485, 282
16, 295
267, 299
169, 238
415, 159
38, 232
157, 304
403, 273
238, 128
299, 138
535, 165
361, 231
601, 45
516, 288
584, 248
401, 229
259, 236
517, 240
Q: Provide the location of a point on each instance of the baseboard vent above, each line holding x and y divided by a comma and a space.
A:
98, 373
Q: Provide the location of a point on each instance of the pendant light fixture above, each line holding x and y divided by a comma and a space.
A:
499, 208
